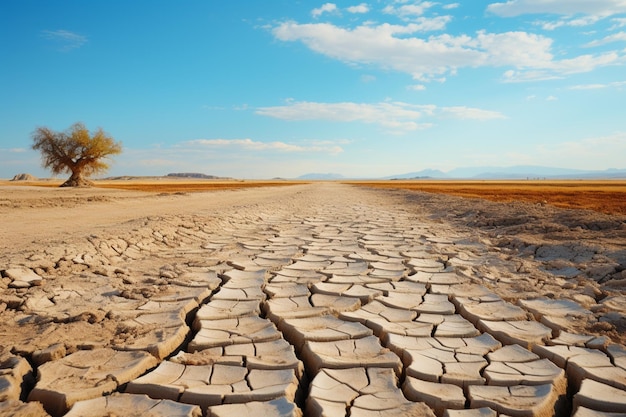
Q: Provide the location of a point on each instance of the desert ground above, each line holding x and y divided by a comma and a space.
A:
277, 298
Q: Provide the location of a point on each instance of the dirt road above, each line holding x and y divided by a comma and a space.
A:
319, 297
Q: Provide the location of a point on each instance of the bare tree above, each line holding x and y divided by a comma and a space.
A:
75, 151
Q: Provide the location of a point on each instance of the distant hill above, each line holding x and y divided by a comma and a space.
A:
423, 174
193, 175
318, 176
24, 177
519, 172
514, 172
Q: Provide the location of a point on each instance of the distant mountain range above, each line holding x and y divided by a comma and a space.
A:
493, 173
318, 176
193, 175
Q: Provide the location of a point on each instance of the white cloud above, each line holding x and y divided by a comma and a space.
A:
563, 7
451, 6
416, 87
572, 22
251, 145
616, 84
618, 22
368, 78
361, 8
551, 98
409, 10
64, 39
616, 37
395, 116
430, 58
469, 113
607, 150
326, 8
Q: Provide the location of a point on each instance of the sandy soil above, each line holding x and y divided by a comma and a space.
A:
89, 246
574, 253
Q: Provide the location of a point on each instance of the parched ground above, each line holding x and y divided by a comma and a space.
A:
322, 298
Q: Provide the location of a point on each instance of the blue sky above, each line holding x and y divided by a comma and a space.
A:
277, 88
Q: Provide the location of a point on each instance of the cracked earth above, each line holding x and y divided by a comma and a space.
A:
317, 300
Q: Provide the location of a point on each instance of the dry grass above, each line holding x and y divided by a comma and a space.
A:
190, 185
603, 196
166, 185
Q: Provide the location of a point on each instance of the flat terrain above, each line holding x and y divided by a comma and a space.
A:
324, 298
606, 196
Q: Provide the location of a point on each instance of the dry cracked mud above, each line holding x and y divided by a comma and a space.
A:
318, 300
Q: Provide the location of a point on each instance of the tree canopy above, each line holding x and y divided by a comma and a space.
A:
75, 151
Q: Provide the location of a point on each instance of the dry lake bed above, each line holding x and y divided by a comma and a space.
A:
316, 299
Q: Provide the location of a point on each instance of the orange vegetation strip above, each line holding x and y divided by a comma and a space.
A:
603, 196
166, 185
191, 186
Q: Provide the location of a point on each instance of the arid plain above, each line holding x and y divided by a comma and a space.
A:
228, 298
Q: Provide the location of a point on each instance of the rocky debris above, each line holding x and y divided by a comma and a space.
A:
15, 376
22, 278
51, 353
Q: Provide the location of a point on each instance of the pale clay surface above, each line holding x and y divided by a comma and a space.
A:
315, 300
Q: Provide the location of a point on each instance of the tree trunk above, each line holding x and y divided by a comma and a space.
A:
77, 180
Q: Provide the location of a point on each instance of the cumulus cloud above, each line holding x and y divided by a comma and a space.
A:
251, 145
361, 8
64, 39
563, 7
392, 115
399, 47
326, 8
